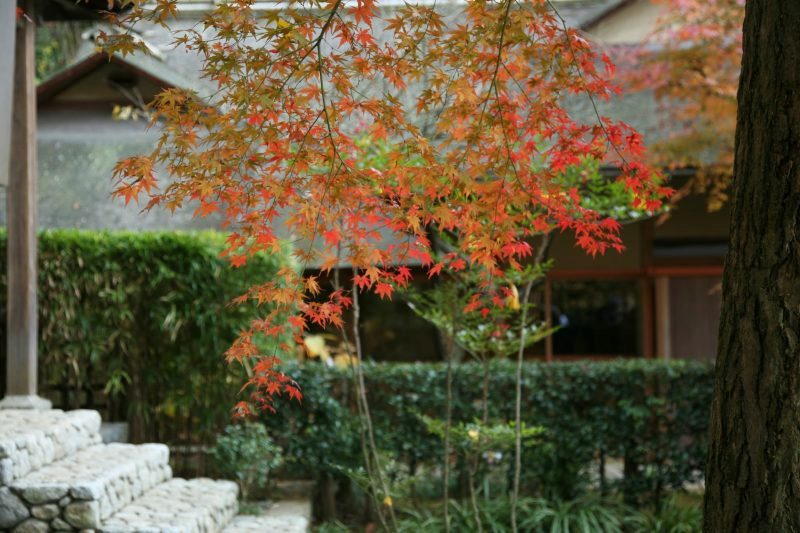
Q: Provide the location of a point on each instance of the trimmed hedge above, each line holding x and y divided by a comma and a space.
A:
145, 316
652, 414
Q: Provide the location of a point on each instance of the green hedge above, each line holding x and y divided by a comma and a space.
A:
652, 414
145, 316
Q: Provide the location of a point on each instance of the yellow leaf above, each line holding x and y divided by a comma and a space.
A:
344, 361
316, 347
513, 298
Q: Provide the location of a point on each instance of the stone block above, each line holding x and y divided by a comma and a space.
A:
12, 509
46, 512
43, 494
87, 491
82, 514
32, 525
60, 525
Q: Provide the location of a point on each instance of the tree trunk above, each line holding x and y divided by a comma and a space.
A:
327, 497
753, 472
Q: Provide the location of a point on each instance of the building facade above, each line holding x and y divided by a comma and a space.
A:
658, 298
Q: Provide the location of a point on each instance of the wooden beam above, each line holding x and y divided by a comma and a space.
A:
595, 273
21, 221
686, 271
8, 16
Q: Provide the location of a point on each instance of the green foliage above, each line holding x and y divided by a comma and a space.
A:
332, 527
147, 317
57, 43
600, 192
495, 333
585, 515
539, 515
582, 515
245, 452
652, 413
319, 434
476, 437
673, 517
494, 514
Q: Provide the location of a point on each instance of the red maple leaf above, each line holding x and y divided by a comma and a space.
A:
332, 236
293, 392
384, 290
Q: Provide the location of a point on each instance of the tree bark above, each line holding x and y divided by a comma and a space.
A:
753, 471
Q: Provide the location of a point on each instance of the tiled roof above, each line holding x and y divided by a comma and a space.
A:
78, 151
582, 13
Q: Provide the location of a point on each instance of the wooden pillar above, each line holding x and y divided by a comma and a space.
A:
8, 16
662, 308
648, 316
548, 319
646, 286
22, 324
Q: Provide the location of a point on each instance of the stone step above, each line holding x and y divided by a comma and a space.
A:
285, 516
31, 439
178, 506
90, 485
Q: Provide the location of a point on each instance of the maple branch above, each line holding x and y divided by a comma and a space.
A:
493, 82
362, 416
523, 330
325, 106
589, 95
308, 49
451, 352
361, 393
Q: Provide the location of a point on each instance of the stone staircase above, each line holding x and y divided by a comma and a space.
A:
56, 475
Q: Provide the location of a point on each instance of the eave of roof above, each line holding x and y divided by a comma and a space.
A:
610, 10
141, 65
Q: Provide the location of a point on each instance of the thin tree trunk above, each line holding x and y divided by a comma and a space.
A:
367, 417
474, 502
368, 448
327, 497
541, 256
526, 294
753, 472
448, 422
473, 461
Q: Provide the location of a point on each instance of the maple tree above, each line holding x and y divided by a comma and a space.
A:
276, 144
465, 104
692, 62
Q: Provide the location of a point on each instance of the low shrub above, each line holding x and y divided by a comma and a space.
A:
653, 415
246, 453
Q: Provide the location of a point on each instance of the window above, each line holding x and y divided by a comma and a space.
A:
596, 317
